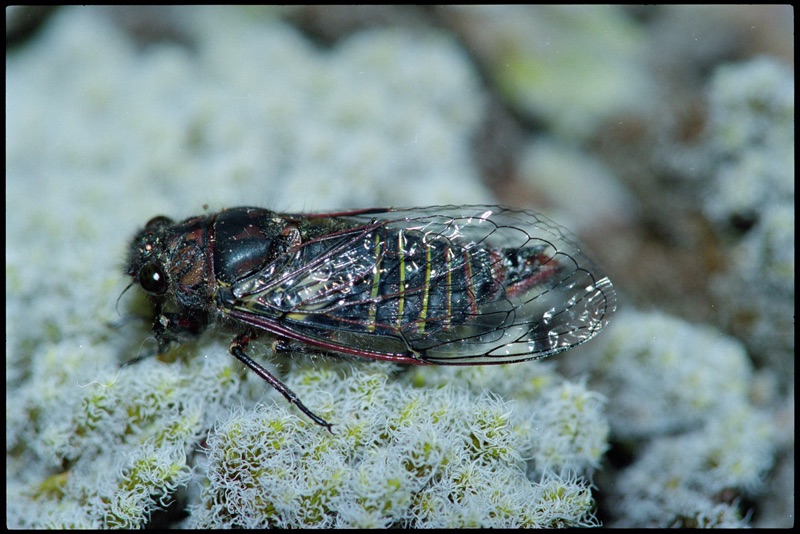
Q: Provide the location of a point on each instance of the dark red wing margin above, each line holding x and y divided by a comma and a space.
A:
275, 327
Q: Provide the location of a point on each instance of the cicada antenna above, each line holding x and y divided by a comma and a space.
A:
116, 306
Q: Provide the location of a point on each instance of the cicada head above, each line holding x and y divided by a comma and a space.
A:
168, 261
146, 261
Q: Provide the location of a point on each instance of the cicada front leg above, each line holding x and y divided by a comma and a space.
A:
169, 328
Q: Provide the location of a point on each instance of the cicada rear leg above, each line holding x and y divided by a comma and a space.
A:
238, 345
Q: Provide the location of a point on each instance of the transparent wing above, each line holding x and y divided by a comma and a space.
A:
450, 285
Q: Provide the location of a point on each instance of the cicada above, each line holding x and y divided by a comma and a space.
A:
444, 285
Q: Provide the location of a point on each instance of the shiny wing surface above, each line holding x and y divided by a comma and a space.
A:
450, 285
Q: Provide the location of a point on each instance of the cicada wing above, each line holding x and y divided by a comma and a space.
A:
451, 285
545, 295
312, 277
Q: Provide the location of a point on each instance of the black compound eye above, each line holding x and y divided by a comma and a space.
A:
158, 222
153, 279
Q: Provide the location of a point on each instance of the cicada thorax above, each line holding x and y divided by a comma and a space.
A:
255, 241
245, 240
187, 263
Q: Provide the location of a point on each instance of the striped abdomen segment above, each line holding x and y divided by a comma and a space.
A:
423, 283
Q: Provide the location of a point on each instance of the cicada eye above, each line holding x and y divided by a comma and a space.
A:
153, 279
158, 222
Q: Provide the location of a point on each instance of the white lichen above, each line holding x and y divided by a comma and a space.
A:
102, 136
679, 404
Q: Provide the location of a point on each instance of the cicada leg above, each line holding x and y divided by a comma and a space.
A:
237, 349
286, 346
169, 328
172, 327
